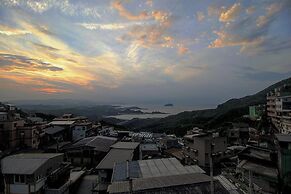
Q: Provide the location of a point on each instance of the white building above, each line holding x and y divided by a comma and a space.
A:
80, 130
27, 173
279, 108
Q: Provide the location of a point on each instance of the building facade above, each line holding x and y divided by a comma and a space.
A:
80, 130
198, 148
10, 120
28, 173
279, 108
29, 136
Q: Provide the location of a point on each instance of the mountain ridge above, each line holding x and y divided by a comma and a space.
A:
207, 118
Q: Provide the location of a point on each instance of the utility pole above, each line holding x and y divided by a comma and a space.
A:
129, 178
250, 182
211, 165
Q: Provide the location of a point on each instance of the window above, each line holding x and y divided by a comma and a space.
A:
22, 178
19, 178
15, 124
16, 178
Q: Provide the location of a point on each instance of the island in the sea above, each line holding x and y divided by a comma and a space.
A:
169, 104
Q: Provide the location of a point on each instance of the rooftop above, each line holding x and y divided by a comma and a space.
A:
149, 147
83, 124
231, 188
86, 184
176, 152
125, 145
53, 130
99, 143
257, 153
70, 118
158, 182
283, 137
25, 163
152, 168
258, 168
61, 122
113, 156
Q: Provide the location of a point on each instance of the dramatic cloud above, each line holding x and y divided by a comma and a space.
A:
64, 6
271, 12
254, 38
112, 26
125, 13
12, 62
230, 13
109, 50
52, 90
182, 49
8, 31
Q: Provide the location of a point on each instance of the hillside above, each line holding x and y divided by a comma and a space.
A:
209, 118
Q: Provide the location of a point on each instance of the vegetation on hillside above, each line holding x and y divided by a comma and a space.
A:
207, 119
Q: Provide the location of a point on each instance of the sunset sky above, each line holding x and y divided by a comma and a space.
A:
140, 51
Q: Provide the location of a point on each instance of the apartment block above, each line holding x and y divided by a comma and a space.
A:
279, 108
198, 148
10, 120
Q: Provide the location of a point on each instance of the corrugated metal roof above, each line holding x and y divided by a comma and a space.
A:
194, 169
25, 163
125, 145
99, 143
231, 188
113, 156
152, 168
158, 182
259, 169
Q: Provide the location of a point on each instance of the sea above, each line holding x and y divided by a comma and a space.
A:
148, 108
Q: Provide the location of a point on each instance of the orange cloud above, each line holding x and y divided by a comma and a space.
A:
149, 3
271, 10
125, 13
48, 61
157, 15
250, 46
230, 13
52, 90
161, 16
182, 49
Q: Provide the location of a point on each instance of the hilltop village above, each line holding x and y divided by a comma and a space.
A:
73, 155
